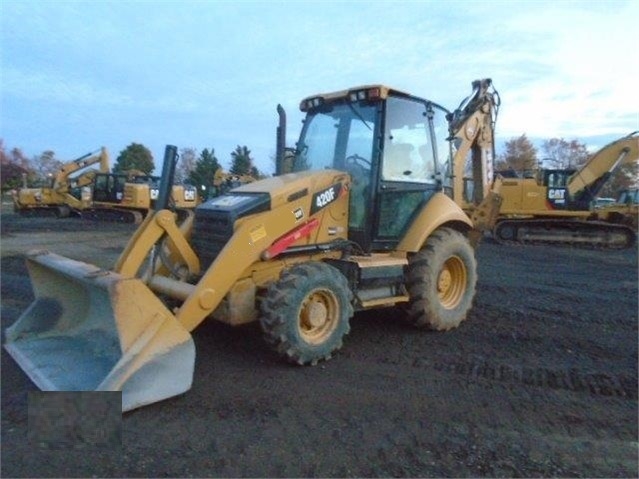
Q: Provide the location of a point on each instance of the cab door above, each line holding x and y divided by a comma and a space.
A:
409, 169
109, 188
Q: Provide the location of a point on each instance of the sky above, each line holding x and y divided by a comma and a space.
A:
78, 75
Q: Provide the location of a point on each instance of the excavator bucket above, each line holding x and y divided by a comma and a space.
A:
93, 330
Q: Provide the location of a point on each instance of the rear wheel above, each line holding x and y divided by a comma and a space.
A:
305, 314
441, 281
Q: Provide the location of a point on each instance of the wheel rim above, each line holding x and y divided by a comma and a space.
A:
318, 316
451, 282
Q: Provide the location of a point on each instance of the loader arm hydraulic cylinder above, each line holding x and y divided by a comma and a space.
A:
251, 239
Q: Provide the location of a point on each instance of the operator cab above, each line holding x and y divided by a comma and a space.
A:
393, 145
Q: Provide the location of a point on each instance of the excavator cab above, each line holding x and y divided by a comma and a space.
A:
556, 183
393, 145
109, 187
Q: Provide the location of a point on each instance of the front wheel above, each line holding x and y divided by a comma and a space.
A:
305, 314
441, 281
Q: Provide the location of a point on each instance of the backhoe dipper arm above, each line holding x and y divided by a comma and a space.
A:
472, 127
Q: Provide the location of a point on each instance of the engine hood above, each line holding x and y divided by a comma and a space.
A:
292, 186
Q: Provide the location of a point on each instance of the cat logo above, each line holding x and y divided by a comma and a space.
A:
557, 195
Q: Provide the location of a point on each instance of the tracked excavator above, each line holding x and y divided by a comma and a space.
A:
99, 195
224, 182
555, 206
65, 193
129, 196
363, 221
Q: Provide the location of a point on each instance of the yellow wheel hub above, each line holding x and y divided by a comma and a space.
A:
318, 316
451, 282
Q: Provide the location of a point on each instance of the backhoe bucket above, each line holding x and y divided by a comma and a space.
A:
93, 330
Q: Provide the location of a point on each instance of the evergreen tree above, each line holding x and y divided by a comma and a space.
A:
203, 175
242, 163
134, 157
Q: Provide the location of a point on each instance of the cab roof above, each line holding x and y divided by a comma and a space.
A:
377, 92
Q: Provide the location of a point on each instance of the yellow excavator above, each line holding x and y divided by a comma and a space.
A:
363, 221
128, 197
99, 195
555, 205
65, 194
224, 182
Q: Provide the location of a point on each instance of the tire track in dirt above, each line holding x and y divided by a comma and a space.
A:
597, 384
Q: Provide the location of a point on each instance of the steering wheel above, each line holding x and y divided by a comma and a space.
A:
355, 160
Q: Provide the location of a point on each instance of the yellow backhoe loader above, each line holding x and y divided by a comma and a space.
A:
65, 194
556, 206
362, 222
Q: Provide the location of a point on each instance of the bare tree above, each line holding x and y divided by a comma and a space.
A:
46, 165
520, 156
186, 164
625, 177
561, 154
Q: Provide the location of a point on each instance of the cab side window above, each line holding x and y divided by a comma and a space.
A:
408, 151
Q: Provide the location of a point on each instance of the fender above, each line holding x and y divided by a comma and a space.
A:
440, 210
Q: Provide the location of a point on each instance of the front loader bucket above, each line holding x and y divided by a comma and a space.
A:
93, 330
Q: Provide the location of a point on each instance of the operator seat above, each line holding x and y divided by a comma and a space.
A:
397, 161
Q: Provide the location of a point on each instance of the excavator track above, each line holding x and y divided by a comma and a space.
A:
581, 233
113, 215
44, 212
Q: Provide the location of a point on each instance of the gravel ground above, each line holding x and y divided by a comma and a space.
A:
540, 381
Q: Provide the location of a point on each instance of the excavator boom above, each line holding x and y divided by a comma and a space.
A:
593, 175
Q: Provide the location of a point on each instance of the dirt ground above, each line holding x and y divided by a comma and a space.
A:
540, 381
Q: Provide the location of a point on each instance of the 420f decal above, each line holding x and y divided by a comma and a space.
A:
325, 197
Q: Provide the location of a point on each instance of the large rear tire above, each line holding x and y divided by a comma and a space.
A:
305, 314
441, 281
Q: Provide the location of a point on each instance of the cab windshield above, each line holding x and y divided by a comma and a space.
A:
336, 135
